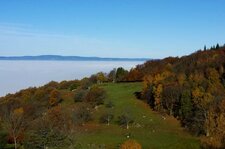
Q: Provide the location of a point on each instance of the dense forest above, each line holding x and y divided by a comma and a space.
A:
190, 88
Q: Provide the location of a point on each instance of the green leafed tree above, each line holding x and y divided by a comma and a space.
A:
121, 74
44, 136
186, 105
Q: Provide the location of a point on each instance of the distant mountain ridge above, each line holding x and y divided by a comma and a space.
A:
68, 58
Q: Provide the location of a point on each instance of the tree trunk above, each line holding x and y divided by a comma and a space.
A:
207, 133
15, 142
171, 111
127, 126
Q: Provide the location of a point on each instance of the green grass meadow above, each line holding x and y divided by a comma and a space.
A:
149, 128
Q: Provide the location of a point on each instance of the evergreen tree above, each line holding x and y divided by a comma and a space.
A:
217, 46
205, 48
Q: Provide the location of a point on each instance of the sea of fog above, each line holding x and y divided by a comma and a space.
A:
17, 75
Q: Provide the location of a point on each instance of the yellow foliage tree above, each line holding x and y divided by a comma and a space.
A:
14, 122
101, 77
54, 97
157, 91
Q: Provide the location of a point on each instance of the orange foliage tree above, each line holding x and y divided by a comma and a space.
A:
130, 144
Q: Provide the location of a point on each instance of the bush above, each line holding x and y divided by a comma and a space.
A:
96, 95
106, 118
85, 83
80, 95
81, 114
44, 138
71, 85
109, 104
125, 120
130, 144
54, 97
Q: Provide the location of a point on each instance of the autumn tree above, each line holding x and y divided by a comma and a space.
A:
52, 85
80, 95
157, 93
215, 86
216, 121
181, 78
130, 144
81, 114
95, 95
54, 97
170, 96
52, 129
101, 77
58, 118
112, 75
134, 75
85, 83
201, 100
44, 134
14, 121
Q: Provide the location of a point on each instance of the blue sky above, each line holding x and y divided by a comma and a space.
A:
110, 28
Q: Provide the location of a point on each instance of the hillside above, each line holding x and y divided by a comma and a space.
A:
148, 128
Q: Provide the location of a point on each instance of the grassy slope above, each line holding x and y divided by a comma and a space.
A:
154, 132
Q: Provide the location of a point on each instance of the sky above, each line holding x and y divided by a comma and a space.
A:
110, 28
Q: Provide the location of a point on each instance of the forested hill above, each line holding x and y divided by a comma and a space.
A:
191, 88
198, 61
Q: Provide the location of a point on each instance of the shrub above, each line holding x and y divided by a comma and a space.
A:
130, 144
109, 104
80, 95
54, 97
106, 118
95, 95
125, 120
81, 114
